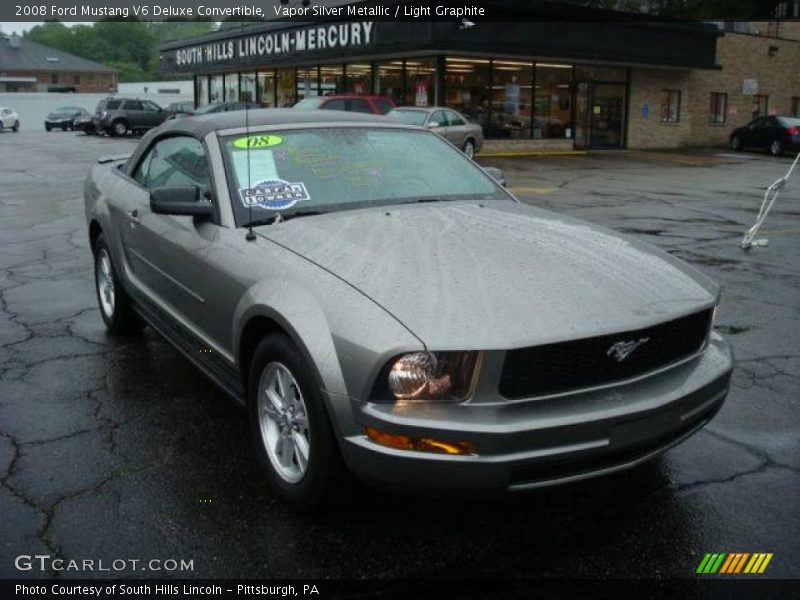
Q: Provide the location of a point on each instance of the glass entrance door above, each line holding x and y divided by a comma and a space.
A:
607, 115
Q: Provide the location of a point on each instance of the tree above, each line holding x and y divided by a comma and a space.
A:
127, 45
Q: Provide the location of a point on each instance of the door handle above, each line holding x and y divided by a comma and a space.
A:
133, 217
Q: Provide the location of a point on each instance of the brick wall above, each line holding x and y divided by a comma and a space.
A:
741, 57
86, 83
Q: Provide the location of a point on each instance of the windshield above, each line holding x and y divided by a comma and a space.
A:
309, 103
412, 117
341, 168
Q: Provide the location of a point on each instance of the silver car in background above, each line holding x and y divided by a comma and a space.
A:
379, 303
451, 125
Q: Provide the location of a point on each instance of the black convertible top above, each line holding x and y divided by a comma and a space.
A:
201, 125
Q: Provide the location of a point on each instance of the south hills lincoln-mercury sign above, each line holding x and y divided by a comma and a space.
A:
320, 37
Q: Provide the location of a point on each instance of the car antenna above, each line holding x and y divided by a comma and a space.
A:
250, 237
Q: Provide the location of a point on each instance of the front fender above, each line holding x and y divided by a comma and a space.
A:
345, 337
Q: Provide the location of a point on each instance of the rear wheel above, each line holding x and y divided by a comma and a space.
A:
736, 143
16, 126
469, 148
115, 305
776, 148
293, 437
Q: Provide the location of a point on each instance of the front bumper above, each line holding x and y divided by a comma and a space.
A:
540, 442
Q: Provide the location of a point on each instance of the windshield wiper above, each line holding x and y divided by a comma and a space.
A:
280, 217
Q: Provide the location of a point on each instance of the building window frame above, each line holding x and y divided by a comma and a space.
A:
671, 98
760, 106
718, 108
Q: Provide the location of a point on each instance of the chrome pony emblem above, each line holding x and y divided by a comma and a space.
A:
622, 350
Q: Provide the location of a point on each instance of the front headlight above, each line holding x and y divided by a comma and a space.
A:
433, 375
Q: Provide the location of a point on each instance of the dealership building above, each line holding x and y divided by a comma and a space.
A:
558, 77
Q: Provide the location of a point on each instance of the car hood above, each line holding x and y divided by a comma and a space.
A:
497, 274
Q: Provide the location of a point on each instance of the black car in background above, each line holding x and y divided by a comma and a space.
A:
118, 116
64, 118
778, 134
217, 107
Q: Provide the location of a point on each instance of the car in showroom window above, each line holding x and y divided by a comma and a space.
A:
379, 303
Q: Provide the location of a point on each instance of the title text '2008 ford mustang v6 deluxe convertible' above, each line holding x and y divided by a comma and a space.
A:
380, 303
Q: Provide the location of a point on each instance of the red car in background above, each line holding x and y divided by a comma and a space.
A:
376, 105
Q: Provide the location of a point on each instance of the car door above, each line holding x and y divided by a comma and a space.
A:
437, 123
756, 133
167, 252
456, 128
152, 114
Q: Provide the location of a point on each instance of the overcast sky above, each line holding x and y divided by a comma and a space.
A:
22, 26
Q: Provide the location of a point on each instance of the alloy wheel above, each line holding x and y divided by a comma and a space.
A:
105, 283
469, 148
283, 422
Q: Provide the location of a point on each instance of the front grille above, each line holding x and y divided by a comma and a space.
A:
565, 366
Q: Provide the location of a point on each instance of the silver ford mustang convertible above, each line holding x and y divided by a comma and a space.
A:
379, 303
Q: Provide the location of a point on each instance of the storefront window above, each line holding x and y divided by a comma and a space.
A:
201, 90
231, 87
286, 87
247, 87
552, 108
512, 86
307, 82
421, 82
390, 80
266, 88
331, 79
358, 78
216, 88
467, 88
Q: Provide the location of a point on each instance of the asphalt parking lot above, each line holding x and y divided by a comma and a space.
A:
116, 448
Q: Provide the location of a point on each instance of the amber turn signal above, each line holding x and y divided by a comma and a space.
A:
405, 442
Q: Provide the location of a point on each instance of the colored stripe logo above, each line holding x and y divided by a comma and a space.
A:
734, 563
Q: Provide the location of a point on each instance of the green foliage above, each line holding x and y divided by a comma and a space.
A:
128, 45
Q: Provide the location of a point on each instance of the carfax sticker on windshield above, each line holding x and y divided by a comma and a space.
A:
257, 141
273, 194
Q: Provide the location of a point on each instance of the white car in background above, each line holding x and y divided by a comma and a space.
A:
9, 119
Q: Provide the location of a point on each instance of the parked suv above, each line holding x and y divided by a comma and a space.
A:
118, 116
376, 105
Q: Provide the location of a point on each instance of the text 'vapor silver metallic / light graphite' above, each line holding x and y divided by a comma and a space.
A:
380, 303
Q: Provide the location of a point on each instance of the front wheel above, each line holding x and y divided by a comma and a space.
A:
776, 148
736, 143
469, 148
119, 128
115, 305
293, 437
16, 126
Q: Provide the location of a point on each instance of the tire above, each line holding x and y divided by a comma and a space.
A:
47, 127
776, 148
277, 420
736, 143
469, 148
119, 128
16, 126
115, 304
63, 128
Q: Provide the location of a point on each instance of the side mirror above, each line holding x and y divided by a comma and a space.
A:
179, 200
496, 174
433, 124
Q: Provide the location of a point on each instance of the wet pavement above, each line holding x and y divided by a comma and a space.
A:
120, 449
